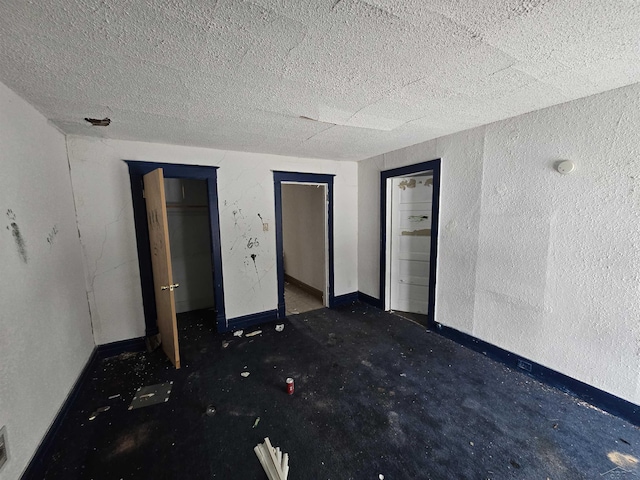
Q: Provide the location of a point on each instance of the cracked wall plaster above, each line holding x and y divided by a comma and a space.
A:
238, 75
540, 264
245, 187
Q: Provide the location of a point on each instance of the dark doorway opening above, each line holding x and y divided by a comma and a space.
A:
192, 188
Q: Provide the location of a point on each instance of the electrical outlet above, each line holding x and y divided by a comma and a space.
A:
4, 451
524, 365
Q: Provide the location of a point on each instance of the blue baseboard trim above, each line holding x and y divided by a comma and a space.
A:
35, 468
116, 348
599, 398
374, 302
250, 320
345, 299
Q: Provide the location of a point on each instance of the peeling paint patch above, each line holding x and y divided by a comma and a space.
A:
52, 235
17, 236
403, 185
418, 218
425, 232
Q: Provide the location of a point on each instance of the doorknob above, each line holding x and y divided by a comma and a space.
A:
170, 287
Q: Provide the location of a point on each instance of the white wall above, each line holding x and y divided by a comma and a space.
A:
45, 329
540, 264
245, 188
303, 233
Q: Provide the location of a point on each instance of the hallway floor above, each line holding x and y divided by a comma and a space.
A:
375, 394
298, 301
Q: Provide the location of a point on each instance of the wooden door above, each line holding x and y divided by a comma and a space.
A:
163, 285
411, 205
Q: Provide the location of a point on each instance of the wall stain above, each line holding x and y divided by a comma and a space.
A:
17, 236
261, 221
52, 235
237, 215
253, 257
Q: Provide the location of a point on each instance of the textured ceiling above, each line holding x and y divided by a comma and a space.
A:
370, 75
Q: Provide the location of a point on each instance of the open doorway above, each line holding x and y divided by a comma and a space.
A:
409, 230
190, 200
304, 241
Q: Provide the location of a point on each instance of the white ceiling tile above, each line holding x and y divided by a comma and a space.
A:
238, 75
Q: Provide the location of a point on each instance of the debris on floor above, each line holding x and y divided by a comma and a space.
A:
280, 327
210, 411
98, 412
253, 334
151, 395
245, 374
225, 344
273, 461
255, 424
114, 396
152, 342
238, 333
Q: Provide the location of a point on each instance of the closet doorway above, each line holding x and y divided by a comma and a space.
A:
410, 198
193, 232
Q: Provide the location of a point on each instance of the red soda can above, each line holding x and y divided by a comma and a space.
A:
289, 386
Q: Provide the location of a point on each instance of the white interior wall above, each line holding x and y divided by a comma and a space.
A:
246, 190
303, 233
190, 243
543, 265
45, 329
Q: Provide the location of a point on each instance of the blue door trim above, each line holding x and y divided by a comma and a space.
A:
278, 178
433, 165
171, 170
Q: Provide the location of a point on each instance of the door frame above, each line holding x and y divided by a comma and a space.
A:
385, 205
172, 170
302, 178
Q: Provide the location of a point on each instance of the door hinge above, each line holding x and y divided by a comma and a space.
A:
171, 287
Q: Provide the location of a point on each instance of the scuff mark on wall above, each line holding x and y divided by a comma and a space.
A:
52, 235
237, 215
17, 236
